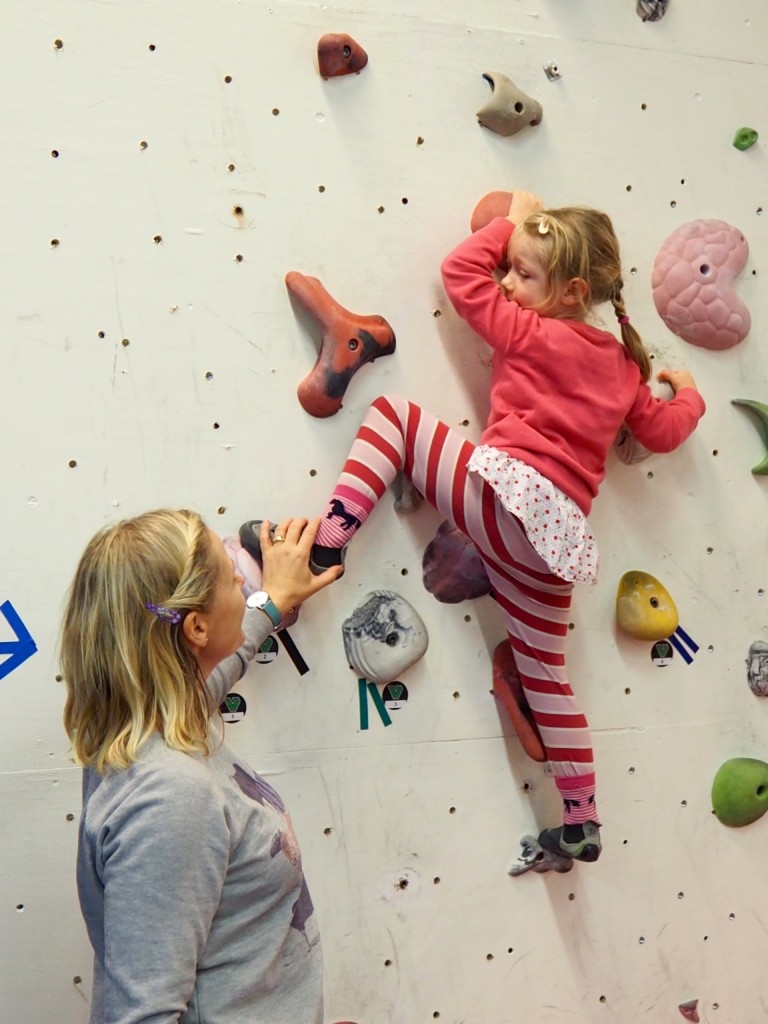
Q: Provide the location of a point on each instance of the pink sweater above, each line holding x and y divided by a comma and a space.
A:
560, 389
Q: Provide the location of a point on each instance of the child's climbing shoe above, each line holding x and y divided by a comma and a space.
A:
322, 558
580, 842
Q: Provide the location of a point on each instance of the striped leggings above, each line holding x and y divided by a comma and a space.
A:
396, 434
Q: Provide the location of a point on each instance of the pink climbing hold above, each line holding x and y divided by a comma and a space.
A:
692, 283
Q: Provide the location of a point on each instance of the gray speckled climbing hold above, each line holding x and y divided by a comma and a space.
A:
533, 857
757, 668
509, 109
651, 10
384, 636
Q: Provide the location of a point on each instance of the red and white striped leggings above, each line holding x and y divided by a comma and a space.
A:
396, 434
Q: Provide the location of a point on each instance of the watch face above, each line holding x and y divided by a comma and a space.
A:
258, 599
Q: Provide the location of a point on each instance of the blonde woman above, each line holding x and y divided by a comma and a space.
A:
188, 870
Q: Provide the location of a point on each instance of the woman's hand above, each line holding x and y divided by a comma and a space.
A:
523, 204
677, 379
287, 577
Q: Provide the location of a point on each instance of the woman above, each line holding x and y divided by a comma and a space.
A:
188, 871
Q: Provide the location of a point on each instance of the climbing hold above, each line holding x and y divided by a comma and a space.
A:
533, 857
757, 668
692, 284
384, 636
644, 608
740, 791
339, 54
508, 690
509, 109
349, 341
494, 204
745, 138
452, 569
407, 498
760, 416
552, 71
248, 567
651, 10
626, 445
690, 1010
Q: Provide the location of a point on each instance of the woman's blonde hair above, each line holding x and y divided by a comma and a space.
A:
129, 672
576, 241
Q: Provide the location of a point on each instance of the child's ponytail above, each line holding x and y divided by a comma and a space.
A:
632, 340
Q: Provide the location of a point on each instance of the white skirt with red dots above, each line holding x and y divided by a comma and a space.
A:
554, 524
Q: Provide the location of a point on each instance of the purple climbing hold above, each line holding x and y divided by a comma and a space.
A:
453, 571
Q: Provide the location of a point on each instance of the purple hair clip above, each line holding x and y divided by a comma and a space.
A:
166, 614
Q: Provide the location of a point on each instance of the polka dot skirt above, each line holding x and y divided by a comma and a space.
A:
554, 524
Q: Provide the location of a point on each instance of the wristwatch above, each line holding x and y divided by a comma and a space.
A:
260, 599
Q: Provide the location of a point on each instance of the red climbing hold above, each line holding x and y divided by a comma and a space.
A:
689, 1010
508, 689
349, 341
494, 204
339, 54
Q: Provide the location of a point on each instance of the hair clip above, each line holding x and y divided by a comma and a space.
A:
544, 226
166, 614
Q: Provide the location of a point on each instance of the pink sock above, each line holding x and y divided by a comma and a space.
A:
344, 514
578, 793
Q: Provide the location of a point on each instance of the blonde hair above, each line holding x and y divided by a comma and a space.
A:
129, 673
576, 241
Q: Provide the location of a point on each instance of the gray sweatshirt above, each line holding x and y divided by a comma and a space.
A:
191, 886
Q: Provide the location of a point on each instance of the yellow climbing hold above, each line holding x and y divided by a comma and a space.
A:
644, 607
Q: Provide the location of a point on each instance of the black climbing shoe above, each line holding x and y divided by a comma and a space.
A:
586, 848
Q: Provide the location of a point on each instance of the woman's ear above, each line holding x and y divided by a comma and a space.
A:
195, 630
575, 292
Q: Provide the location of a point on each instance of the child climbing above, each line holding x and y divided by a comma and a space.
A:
560, 389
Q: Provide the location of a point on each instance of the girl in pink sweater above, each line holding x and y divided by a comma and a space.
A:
560, 390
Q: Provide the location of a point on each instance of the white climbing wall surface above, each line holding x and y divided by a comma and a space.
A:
164, 166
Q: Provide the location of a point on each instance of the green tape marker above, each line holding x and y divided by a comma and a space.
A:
362, 694
376, 698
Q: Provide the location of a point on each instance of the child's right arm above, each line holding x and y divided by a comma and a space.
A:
470, 285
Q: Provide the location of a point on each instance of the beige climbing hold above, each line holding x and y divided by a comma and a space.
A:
508, 110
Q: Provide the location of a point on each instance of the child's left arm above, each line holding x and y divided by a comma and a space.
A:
663, 426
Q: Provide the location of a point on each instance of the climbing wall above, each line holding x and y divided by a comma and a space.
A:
164, 167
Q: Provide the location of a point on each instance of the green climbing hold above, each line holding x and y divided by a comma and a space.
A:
740, 791
759, 412
744, 138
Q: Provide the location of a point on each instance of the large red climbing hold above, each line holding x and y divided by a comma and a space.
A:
349, 341
494, 204
339, 54
508, 690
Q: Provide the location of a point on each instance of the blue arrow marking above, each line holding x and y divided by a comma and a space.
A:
21, 648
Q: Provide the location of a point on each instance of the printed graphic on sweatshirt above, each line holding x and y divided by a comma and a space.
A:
284, 841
